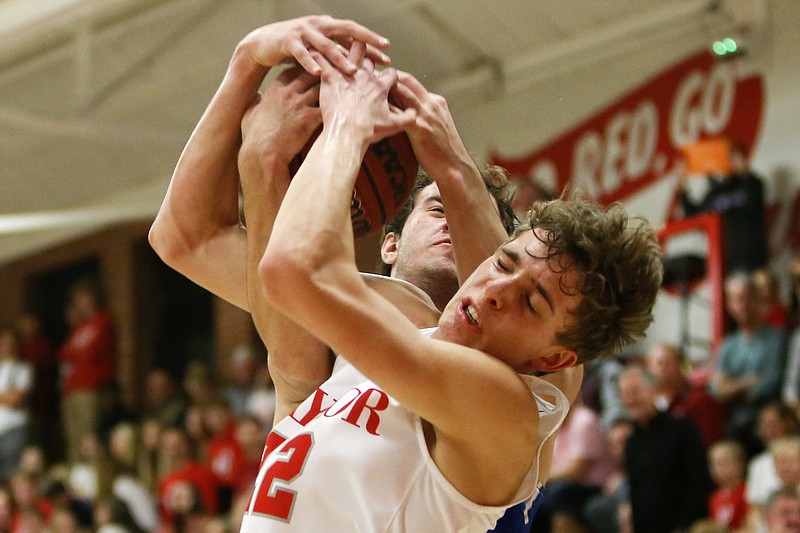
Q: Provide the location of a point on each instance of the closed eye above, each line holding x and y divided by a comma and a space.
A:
502, 266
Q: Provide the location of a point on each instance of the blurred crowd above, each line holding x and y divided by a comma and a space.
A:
73, 458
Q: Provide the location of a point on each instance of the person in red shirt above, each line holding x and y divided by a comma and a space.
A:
680, 396
250, 435
43, 400
767, 287
727, 505
225, 454
180, 467
88, 363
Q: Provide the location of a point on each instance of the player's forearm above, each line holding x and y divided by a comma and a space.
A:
472, 218
313, 228
298, 361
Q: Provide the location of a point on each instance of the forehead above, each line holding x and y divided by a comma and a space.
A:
431, 192
425, 194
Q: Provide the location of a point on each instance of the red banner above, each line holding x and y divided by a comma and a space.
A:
632, 143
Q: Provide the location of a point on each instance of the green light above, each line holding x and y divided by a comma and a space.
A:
730, 45
719, 48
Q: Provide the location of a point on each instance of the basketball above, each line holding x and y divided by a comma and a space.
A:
383, 185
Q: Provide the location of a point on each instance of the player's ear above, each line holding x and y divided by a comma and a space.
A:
389, 248
559, 358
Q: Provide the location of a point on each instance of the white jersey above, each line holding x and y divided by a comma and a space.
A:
352, 459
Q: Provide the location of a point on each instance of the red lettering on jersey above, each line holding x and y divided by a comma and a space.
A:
314, 409
342, 404
373, 420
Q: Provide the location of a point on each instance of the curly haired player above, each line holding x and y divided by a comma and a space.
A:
441, 432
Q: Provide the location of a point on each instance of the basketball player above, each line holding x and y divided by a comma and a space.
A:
444, 433
417, 247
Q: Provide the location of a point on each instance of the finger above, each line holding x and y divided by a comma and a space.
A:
342, 28
304, 58
330, 50
310, 96
357, 52
412, 83
303, 80
387, 78
403, 118
404, 95
290, 74
322, 61
377, 56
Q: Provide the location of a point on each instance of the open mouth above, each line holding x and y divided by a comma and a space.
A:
470, 312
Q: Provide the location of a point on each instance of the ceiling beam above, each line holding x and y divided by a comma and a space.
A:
522, 70
84, 129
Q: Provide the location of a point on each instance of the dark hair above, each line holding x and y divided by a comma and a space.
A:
497, 183
620, 267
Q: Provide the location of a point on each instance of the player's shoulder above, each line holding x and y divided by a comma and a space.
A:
410, 299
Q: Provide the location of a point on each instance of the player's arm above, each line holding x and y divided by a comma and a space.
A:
197, 228
274, 129
309, 273
472, 218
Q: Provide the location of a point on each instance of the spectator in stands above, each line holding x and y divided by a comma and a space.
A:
113, 516
727, 505
665, 460
262, 401
225, 455
29, 503
37, 350
677, 394
163, 399
794, 292
80, 511
749, 369
600, 388
775, 421
83, 473
767, 287
6, 509
16, 380
240, 385
785, 453
147, 468
180, 468
88, 362
199, 384
739, 198
783, 512
786, 456
195, 427
791, 383
251, 435
601, 511
120, 480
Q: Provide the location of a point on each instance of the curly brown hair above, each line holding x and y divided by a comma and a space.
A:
619, 261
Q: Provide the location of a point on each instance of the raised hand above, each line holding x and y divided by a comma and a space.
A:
433, 135
278, 123
293, 40
361, 100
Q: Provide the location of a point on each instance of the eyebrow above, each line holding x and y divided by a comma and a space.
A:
515, 258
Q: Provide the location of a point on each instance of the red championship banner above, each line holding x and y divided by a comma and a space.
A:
636, 140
